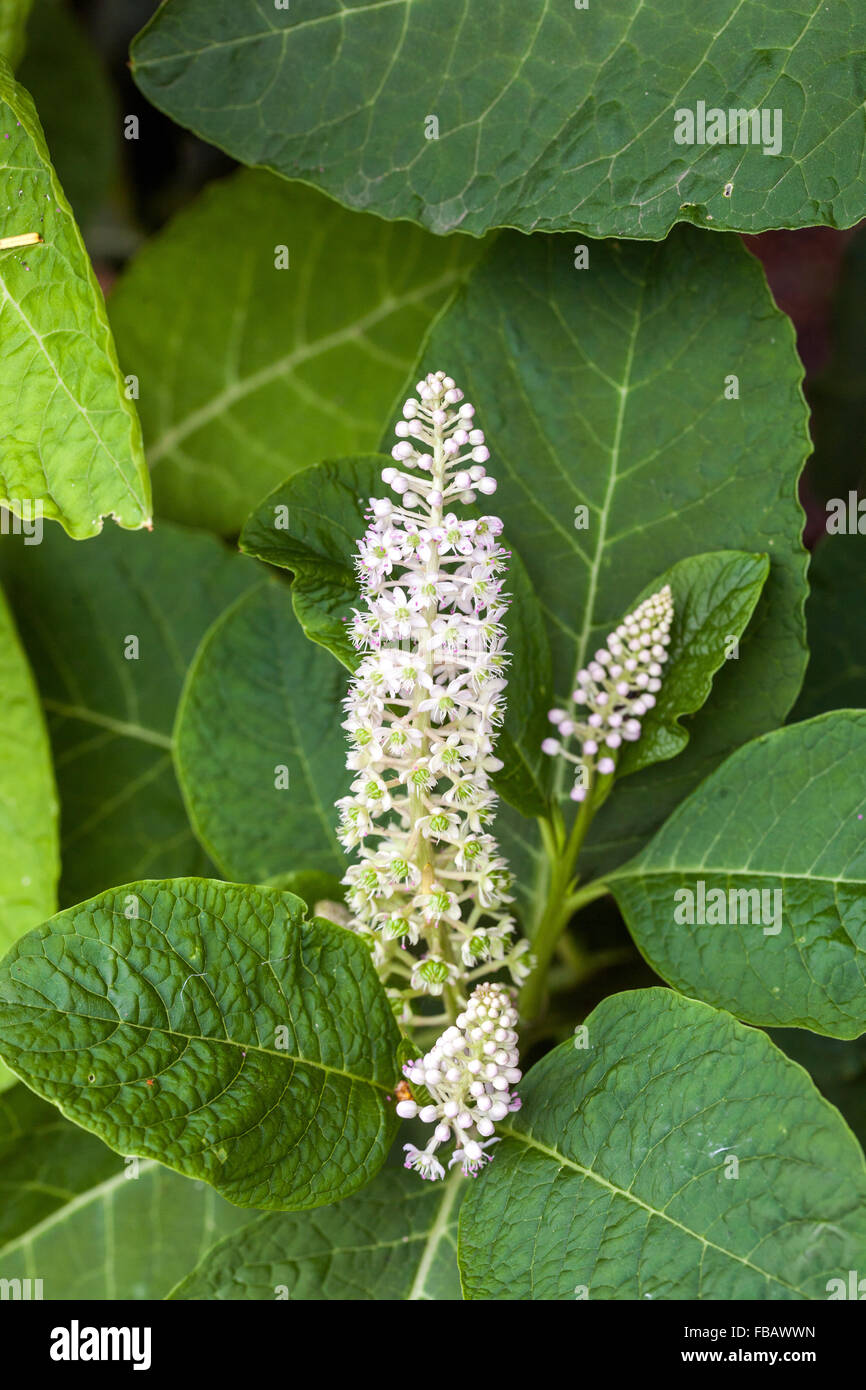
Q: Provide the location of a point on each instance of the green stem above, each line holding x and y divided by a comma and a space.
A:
588, 894
560, 905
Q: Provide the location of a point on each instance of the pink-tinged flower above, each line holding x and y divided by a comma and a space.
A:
469, 1074
613, 693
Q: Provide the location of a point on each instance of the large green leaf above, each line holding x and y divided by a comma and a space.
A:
29, 863
13, 26
212, 1027
395, 1240
89, 1224
311, 525
76, 103
605, 389
550, 117
247, 371
70, 441
29, 860
260, 750
616, 1180
110, 714
835, 621
781, 820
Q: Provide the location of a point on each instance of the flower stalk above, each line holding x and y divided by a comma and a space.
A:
612, 695
422, 714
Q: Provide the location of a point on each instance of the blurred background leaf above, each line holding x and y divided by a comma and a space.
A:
110, 718
77, 105
89, 1223
13, 25
269, 329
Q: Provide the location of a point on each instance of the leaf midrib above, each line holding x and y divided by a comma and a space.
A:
240, 40
37, 338
744, 871
435, 1236
623, 390
306, 352
105, 721
282, 1053
530, 1142
75, 1204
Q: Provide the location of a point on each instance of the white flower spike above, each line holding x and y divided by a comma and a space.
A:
614, 692
469, 1074
424, 708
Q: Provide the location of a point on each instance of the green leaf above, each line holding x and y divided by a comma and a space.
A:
615, 1180
259, 749
835, 618
311, 525
605, 389
70, 441
76, 103
13, 27
549, 117
782, 821
110, 706
714, 597
216, 1031
88, 1224
396, 1240
29, 864
267, 370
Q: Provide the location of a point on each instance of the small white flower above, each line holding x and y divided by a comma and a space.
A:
423, 1161
432, 974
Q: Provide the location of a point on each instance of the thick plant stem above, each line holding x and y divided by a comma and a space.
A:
563, 898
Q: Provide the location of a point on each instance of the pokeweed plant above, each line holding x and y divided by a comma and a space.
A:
269, 1039
450, 838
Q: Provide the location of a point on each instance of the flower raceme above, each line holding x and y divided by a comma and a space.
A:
614, 692
423, 710
469, 1074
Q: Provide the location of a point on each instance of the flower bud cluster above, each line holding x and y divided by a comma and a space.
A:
469, 1074
614, 692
